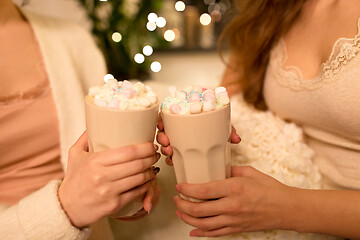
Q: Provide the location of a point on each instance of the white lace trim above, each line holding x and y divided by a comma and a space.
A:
344, 50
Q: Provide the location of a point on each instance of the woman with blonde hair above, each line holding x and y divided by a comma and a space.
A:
300, 60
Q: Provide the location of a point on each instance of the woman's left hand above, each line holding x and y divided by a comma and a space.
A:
248, 201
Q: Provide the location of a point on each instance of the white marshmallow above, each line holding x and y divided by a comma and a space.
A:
219, 90
139, 88
100, 102
208, 106
144, 102
195, 107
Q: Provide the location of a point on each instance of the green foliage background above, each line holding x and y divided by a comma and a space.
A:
130, 21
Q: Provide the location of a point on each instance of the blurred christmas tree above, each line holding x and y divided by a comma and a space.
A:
122, 30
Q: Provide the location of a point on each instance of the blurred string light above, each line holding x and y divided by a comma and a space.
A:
155, 66
160, 22
151, 26
108, 76
139, 58
152, 17
205, 19
217, 8
180, 6
148, 50
116, 37
169, 35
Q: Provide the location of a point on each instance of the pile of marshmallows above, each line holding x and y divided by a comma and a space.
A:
123, 95
194, 100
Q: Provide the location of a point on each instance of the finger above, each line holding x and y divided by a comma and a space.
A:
134, 181
82, 143
214, 233
139, 215
127, 153
200, 209
127, 169
169, 161
131, 195
162, 139
167, 151
207, 224
242, 171
234, 137
151, 196
205, 191
160, 124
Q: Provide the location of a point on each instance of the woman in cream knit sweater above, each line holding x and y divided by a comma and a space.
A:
47, 65
300, 60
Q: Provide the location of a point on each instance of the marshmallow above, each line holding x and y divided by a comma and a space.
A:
127, 93
112, 84
208, 106
175, 108
195, 100
100, 102
144, 102
139, 88
114, 103
127, 85
194, 97
224, 100
209, 95
219, 90
195, 107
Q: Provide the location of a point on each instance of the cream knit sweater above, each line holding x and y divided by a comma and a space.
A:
73, 63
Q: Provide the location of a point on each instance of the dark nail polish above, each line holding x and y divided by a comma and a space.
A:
156, 170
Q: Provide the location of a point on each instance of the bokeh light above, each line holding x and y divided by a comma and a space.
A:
116, 37
152, 17
169, 35
108, 76
180, 6
148, 50
155, 66
151, 26
205, 19
139, 58
161, 22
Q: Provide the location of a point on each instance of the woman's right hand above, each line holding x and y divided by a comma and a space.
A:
99, 184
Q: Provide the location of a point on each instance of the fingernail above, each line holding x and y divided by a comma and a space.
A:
178, 214
156, 147
193, 234
156, 170
149, 209
177, 187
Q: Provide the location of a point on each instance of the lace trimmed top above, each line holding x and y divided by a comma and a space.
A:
326, 106
343, 51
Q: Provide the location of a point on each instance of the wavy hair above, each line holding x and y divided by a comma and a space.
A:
256, 28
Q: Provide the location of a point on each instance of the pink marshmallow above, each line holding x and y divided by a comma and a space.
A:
114, 103
127, 85
175, 108
127, 93
209, 96
194, 97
